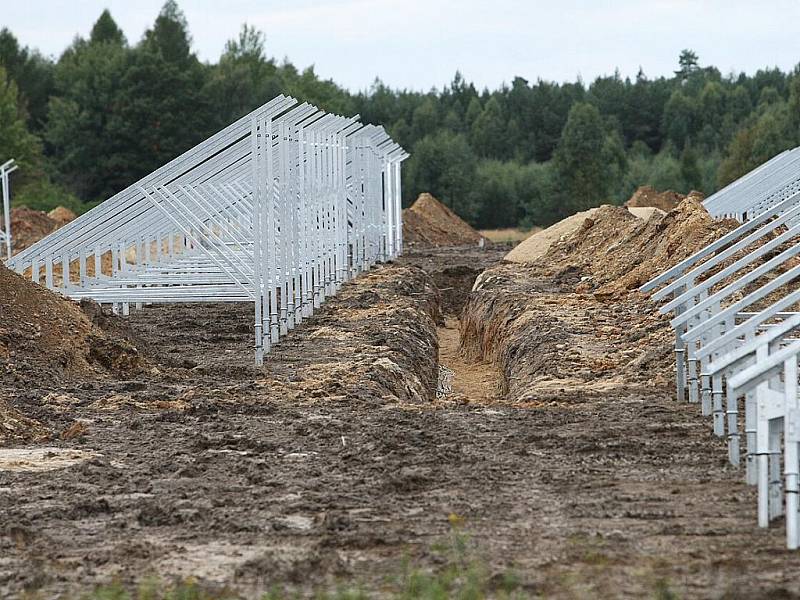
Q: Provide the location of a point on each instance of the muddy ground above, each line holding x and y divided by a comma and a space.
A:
334, 463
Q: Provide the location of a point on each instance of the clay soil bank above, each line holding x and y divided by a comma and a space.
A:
333, 463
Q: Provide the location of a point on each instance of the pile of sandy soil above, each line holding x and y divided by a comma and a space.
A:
645, 213
554, 344
572, 321
428, 222
43, 335
666, 200
62, 215
29, 226
617, 252
539, 243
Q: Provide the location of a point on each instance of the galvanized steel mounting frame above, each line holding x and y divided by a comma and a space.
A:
279, 209
735, 339
6, 169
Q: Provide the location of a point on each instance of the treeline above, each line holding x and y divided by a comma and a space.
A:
107, 112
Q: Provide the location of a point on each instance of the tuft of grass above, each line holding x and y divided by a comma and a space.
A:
343, 593
155, 589
463, 575
664, 592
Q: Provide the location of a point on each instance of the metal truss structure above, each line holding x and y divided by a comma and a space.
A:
759, 190
279, 209
737, 339
6, 169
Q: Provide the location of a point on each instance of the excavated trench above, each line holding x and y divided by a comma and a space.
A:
626, 482
454, 271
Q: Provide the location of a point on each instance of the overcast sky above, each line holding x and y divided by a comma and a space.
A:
420, 44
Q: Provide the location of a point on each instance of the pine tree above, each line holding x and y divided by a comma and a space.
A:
105, 30
33, 75
688, 63
487, 135
170, 36
86, 119
690, 170
581, 161
15, 140
243, 79
444, 164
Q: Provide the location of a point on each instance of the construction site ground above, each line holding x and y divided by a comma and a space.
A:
334, 465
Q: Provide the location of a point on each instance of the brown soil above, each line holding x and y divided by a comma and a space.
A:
649, 483
16, 428
600, 332
548, 339
615, 252
473, 381
62, 215
330, 465
44, 336
645, 212
666, 201
538, 244
428, 222
28, 226
454, 271
208, 466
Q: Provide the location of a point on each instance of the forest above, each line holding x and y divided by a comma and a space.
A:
108, 111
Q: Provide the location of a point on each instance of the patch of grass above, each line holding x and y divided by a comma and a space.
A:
155, 589
463, 575
664, 592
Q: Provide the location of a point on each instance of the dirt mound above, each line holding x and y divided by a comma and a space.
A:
571, 321
553, 344
43, 335
428, 222
648, 196
617, 252
539, 243
29, 226
645, 213
62, 215
667, 200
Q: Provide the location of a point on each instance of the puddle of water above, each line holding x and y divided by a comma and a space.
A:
34, 460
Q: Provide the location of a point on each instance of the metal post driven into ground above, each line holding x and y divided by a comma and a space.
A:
6, 169
731, 304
